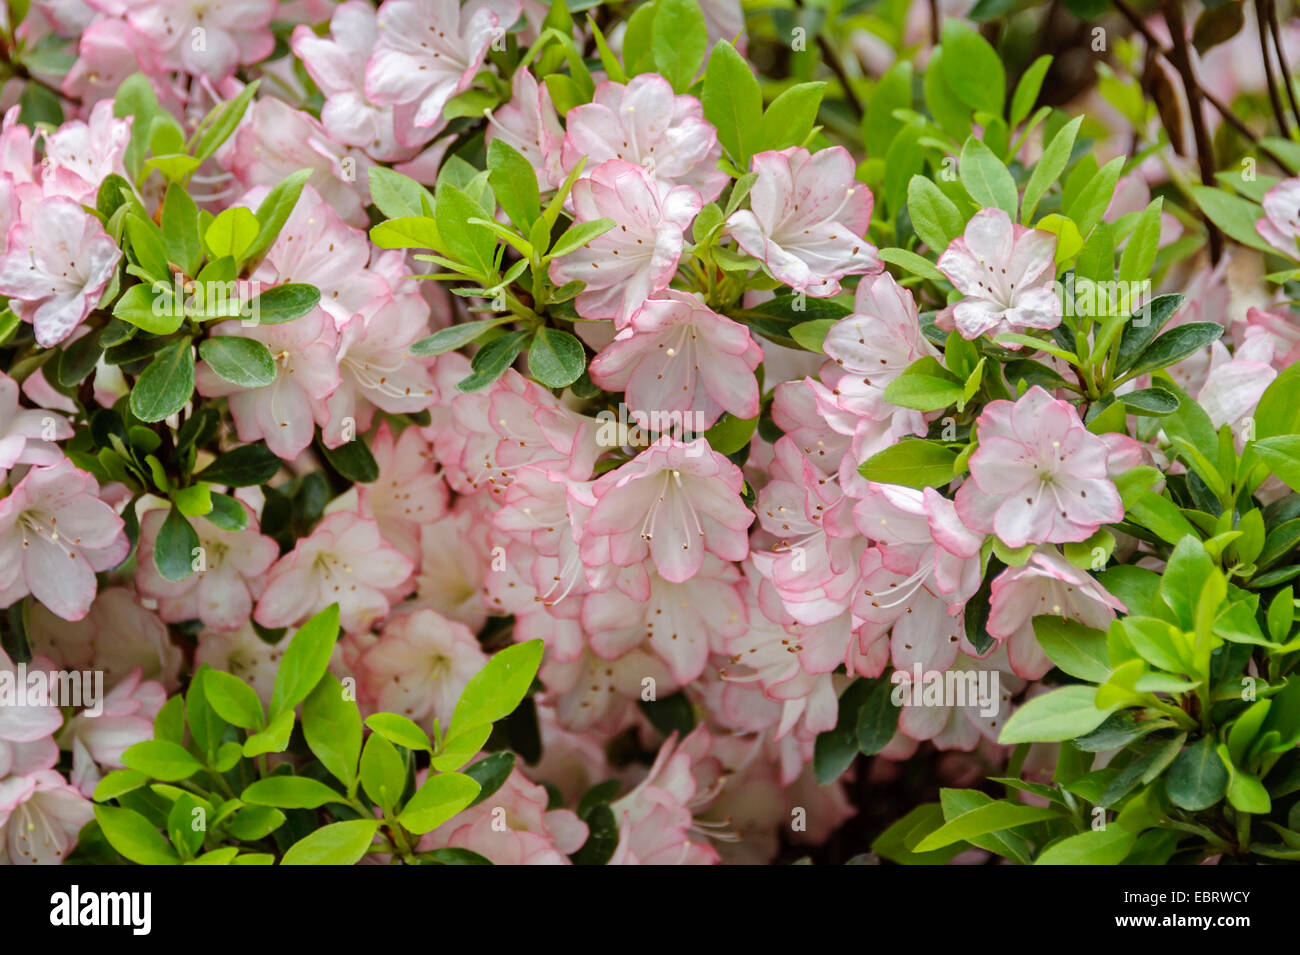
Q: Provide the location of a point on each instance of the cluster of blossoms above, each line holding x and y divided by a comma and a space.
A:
450, 503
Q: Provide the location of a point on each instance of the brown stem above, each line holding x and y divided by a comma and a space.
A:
1229, 117
833, 62
1261, 16
934, 22
1276, 32
1182, 61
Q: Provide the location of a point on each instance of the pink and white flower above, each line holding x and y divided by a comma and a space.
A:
638, 257
55, 534
59, 261
1005, 273
1039, 475
678, 355
807, 218
646, 124
345, 560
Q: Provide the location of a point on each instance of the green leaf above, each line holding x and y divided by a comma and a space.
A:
973, 68
193, 501
160, 759
134, 836
1106, 846
1087, 208
1175, 345
232, 232
514, 183
233, 699
290, 792
790, 117
985, 177
1139, 255
206, 726
459, 747
455, 336
1142, 328
166, 385
556, 358
353, 460
1078, 650
1197, 779
733, 103
835, 749
245, 466
1049, 168
730, 433
305, 660
490, 773
491, 361
1027, 90
241, 361
396, 195
911, 463
119, 782
283, 303
1233, 215
877, 721
331, 724
578, 235
221, 122
495, 691
991, 817
440, 798
473, 246
147, 249
1282, 455
679, 39
383, 772
1153, 402
273, 739
398, 729
173, 551
180, 229
274, 211
1278, 411
340, 843
923, 392
154, 310
934, 216
1058, 715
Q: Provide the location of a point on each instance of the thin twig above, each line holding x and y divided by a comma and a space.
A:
1276, 31
934, 22
1182, 61
1229, 117
833, 61
1278, 112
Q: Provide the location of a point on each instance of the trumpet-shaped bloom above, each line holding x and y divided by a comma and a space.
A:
679, 356
674, 502
645, 123
807, 218
58, 262
1005, 271
55, 533
638, 257
1038, 475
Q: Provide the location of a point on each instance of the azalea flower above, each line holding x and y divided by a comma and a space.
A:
55, 534
244, 653
1048, 585
646, 124
27, 729
27, 435
419, 666
678, 355
376, 371
590, 694
409, 493
681, 622
807, 218
221, 593
345, 560
337, 64
40, 817
118, 637
92, 150
1038, 475
1005, 271
514, 827
952, 727
673, 502
638, 257
528, 123
59, 261
306, 373
204, 38
1280, 224
429, 51
126, 717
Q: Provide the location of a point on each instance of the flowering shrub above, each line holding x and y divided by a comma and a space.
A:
656, 432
